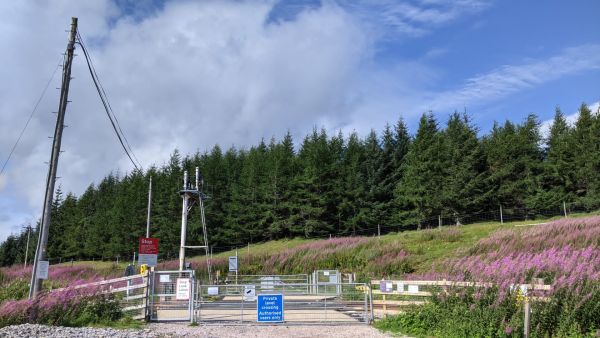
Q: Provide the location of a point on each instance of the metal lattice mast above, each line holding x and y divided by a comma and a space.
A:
188, 193
204, 232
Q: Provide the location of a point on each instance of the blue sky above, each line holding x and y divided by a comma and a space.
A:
191, 74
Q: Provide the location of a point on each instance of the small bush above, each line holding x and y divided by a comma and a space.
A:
14, 290
487, 313
65, 308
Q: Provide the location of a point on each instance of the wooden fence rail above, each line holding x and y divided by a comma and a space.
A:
419, 290
131, 292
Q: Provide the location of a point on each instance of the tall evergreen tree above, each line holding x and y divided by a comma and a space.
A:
418, 193
557, 183
514, 159
463, 189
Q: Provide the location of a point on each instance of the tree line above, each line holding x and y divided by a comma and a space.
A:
332, 184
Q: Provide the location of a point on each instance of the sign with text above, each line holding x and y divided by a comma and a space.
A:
385, 286
269, 308
148, 251
148, 246
148, 259
183, 289
42, 269
249, 293
233, 263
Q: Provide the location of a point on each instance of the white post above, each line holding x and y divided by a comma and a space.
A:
527, 312
440, 221
184, 216
27, 246
378, 230
501, 219
565, 208
238, 266
149, 207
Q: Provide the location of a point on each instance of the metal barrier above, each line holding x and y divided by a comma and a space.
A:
326, 281
172, 295
267, 283
303, 303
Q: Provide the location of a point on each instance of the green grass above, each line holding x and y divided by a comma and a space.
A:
427, 247
427, 250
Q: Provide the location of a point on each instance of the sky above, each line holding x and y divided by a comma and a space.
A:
192, 74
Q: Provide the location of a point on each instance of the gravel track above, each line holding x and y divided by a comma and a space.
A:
173, 330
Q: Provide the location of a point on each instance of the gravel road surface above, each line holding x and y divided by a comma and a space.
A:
164, 330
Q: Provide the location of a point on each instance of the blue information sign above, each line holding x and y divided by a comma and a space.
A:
269, 309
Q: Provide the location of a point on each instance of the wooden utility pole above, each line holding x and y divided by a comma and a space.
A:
40, 252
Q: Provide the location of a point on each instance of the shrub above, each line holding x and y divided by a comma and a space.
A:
67, 308
478, 313
564, 253
14, 290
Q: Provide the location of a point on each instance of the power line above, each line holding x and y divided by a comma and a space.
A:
109, 112
29, 119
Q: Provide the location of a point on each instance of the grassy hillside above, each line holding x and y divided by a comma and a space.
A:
391, 255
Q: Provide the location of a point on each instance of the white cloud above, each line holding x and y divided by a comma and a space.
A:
190, 76
509, 79
413, 19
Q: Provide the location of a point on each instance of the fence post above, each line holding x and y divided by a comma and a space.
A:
527, 311
565, 208
501, 218
371, 302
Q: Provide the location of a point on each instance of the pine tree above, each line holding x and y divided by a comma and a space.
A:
557, 182
417, 194
586, 138
463, 189
514, 160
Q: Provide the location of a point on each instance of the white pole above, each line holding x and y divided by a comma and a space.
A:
149, 207
184, 215
440, 221
565, 208
378, 230
501, 219
527, 314
27, 246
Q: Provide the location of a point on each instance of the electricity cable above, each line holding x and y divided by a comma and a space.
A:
109, 112
29, 119
82, 44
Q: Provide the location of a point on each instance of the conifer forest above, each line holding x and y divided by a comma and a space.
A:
338, 185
